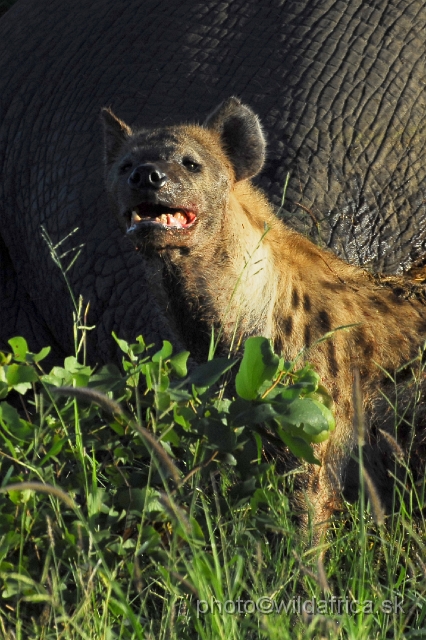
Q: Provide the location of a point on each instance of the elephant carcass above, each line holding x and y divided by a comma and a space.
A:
338, 85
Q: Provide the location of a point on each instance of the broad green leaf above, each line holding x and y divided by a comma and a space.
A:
252, 414
81, 379
139, 347
208, 373
322, 396
183, 417
299, 447
162, 383
20, 377
308, 378
118, 428
58, 377
72, 365
178, 363
108, 378
9, 416
162, 401
313, 419
41, 355
164, 353
284, 394
258, 365
152, 501
19, 347
124, 346
179, 395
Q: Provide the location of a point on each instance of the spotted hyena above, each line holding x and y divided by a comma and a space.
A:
183, 195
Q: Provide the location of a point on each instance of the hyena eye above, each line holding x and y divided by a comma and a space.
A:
125, 167
191, 165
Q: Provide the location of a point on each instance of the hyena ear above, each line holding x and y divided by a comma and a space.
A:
241, 135
115, 133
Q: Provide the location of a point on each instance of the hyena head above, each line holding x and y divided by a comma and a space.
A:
169, 187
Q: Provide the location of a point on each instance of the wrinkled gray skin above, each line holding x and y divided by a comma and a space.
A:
339, 86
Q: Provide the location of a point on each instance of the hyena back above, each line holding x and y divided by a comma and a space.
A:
183, 195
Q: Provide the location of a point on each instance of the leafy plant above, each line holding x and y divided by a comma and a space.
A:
135, 503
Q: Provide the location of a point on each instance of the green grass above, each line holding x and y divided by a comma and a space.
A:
130, 521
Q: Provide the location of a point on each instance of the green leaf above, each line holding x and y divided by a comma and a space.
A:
308, 379
10, 416
162, 401
183, 417
108, 378
247, 456
19, 347
179, 395
299, 447
41, 355
178, 363
20, 429
208, 373
124, 346
54, 449
322, 395
72, 365
251, 413
196, 530
164, 353
139, 347
5, 358
162, 383
20, 377
4, 389
258, 365
58, 377
81, 380
219, 435
313, 419
284, 394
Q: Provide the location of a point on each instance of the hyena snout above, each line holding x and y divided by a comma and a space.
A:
147, 176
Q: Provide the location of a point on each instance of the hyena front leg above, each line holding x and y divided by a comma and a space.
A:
324, 487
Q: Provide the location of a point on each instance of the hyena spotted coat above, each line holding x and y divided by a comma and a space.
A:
184, 197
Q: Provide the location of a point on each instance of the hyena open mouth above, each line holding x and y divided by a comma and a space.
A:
159, 215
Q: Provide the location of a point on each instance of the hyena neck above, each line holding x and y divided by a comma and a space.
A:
257, 277
230, 281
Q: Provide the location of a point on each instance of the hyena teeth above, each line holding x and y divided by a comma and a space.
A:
180, 217
135, 217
